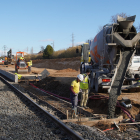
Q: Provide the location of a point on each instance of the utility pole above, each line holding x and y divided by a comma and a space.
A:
4, 50
72, 40
53, 45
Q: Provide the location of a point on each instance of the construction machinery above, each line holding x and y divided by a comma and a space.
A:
112, 51
9, 59
21, 65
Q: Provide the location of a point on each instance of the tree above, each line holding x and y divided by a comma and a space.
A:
114, 17
48, 51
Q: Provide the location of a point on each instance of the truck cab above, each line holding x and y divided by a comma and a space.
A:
135, 64
85, 57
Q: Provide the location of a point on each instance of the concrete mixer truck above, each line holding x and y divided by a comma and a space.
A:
112, 51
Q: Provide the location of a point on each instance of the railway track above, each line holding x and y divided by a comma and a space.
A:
69, 134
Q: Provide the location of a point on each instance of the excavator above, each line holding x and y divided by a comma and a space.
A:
9, 59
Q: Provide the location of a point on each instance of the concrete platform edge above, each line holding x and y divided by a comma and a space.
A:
9, 75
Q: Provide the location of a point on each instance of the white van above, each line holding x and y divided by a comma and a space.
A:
135, 64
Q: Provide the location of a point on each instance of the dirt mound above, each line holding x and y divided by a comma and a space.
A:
58, 64
52, 85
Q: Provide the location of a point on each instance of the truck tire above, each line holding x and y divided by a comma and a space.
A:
82, 68
96, 85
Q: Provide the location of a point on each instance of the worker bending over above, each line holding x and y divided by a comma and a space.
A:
75, 88
84, 86
137, 78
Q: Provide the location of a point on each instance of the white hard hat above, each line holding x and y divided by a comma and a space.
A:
80, 77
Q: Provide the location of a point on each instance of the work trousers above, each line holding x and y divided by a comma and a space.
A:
84, 97
29, 69
74, 101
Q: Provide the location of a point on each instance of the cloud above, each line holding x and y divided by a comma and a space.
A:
45, 40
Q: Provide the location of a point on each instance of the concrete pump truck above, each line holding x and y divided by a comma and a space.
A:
111, 51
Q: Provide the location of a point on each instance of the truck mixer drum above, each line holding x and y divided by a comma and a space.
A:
111, 51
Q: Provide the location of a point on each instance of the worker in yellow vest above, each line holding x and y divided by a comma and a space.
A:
21, 58
84, 86
19, 76
75, 88
29, 66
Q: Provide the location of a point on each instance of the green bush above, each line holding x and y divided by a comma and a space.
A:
48, 51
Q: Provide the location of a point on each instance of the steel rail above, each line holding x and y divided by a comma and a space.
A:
58, 122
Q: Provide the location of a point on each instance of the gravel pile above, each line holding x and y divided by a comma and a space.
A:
19, 122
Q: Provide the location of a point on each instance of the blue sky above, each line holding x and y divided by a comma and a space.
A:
34, 23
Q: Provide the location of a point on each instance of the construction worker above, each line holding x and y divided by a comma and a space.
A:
75, 88
21, 58
29, 66
19, 76
137, 78
84, 86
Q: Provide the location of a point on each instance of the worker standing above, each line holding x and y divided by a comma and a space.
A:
29, 66
84, 86
75, 88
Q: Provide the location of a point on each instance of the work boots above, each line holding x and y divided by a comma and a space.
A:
74, 112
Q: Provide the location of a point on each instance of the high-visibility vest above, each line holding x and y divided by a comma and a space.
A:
19, 76
30, 62
84, 83
21, 58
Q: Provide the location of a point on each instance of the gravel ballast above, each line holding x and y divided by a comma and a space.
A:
19, 122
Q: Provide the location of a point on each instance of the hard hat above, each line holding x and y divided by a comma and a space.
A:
80, 77
136, 76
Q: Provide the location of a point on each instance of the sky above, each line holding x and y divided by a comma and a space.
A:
27, 24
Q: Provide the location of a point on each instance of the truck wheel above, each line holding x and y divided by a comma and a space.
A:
96, 85
82, 68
